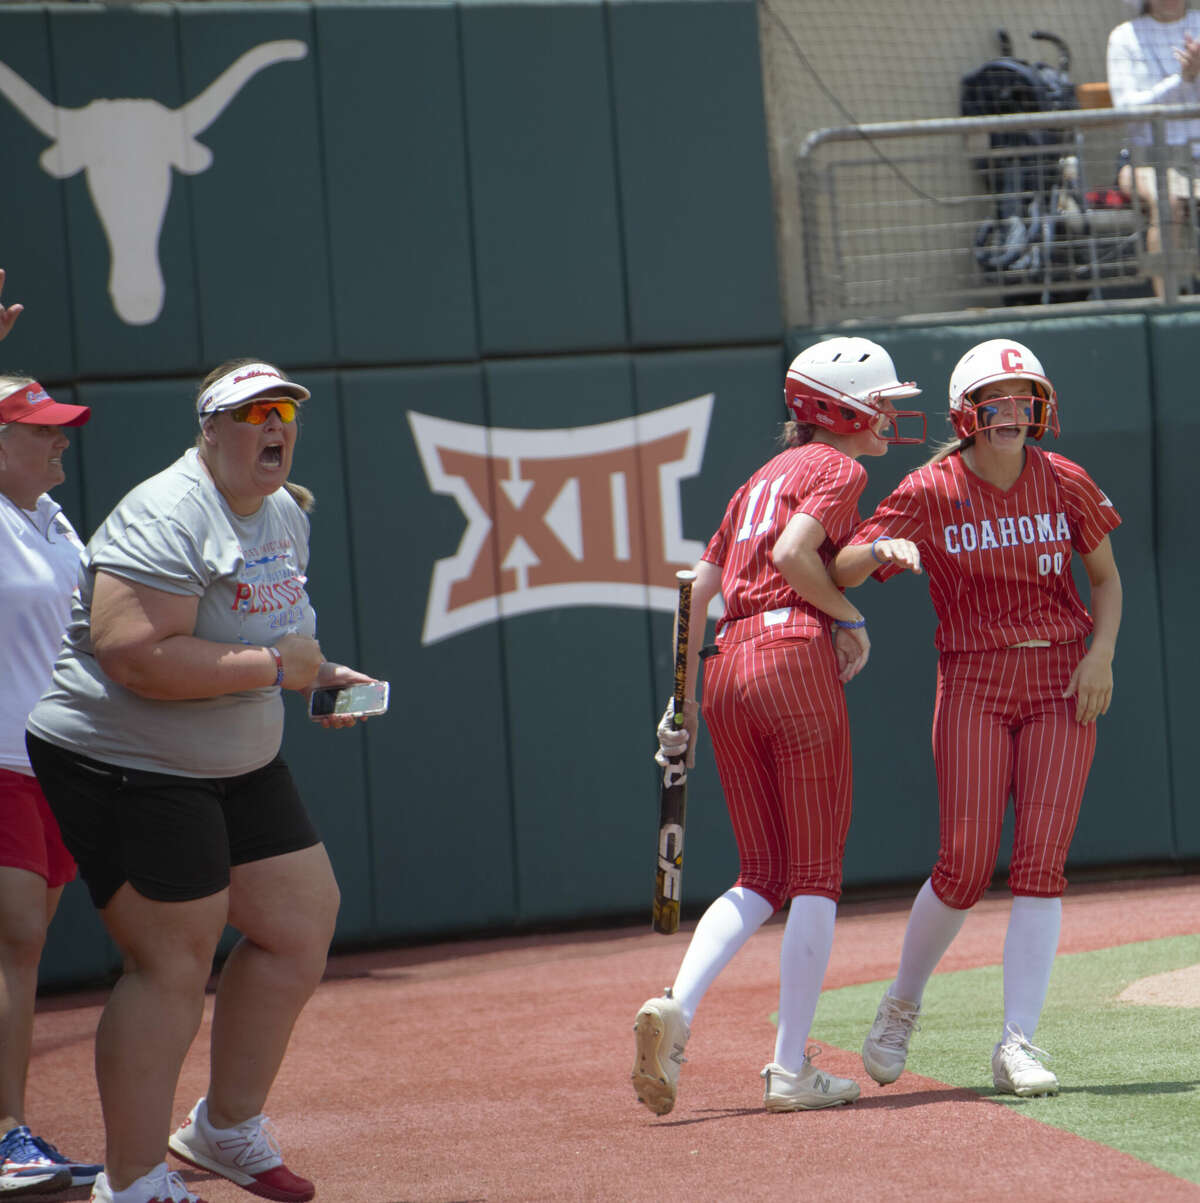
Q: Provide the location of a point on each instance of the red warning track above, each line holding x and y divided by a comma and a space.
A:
498, 1070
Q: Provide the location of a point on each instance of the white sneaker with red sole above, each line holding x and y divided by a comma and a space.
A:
246, 1154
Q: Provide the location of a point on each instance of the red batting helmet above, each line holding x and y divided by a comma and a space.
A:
1001, 359
845, 385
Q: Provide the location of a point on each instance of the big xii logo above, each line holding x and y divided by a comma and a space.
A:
584, 516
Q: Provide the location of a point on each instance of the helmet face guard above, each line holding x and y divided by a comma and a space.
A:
974, 418
893, 416
911, 417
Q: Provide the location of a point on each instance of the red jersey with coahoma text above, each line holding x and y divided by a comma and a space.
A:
998, 561
814, 479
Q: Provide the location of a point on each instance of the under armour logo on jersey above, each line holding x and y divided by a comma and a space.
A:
962, 503
580, 516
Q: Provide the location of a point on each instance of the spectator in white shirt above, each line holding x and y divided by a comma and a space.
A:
1155, 59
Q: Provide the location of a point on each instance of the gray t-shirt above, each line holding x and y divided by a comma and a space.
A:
174, 532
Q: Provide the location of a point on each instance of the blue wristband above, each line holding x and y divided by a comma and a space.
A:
275, 655
850, 626
874, 556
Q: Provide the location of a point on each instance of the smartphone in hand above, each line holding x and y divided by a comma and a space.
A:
356, 701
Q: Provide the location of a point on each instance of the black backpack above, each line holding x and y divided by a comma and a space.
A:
1024, 169
1012, 85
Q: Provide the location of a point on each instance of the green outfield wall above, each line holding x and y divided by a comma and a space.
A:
524, 257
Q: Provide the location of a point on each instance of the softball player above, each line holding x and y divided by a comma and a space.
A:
993, 520
774, 705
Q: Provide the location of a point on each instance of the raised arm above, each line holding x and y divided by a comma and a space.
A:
9, 315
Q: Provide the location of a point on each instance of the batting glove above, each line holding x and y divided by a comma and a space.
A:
673, 741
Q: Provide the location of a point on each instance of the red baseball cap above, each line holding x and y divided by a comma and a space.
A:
32, 404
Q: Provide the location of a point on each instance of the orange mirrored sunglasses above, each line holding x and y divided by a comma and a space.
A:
257, 412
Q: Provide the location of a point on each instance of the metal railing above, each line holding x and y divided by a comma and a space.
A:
920, 217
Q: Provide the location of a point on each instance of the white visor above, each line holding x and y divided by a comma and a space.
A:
244, 384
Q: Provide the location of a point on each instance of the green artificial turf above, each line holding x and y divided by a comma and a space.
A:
1129, 1074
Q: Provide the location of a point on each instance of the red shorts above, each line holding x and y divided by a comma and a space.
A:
29, 837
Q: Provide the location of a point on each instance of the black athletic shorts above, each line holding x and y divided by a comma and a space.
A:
172, 838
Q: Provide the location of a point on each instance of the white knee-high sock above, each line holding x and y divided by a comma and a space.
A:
803, 959
932, 926
1029, 948
723, 929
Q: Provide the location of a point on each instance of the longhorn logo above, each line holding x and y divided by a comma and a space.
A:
127, 149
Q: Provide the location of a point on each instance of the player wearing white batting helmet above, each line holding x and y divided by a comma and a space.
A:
786, 644
994, 521
993, 361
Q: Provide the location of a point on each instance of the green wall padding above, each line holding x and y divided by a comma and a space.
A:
438, 771
543, 180
398, 198
572, 671
401, 183
37, 262
699, 240
1173, 339
259, 223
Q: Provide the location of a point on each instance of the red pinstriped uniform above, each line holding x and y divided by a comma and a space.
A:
999, 569
772, 702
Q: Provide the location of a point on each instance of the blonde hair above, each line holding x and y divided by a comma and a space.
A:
795, 434
300, 494
950, 447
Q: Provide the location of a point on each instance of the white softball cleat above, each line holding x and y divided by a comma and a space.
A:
660, 1036
808, 1090
1016, 1068
885, 1050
